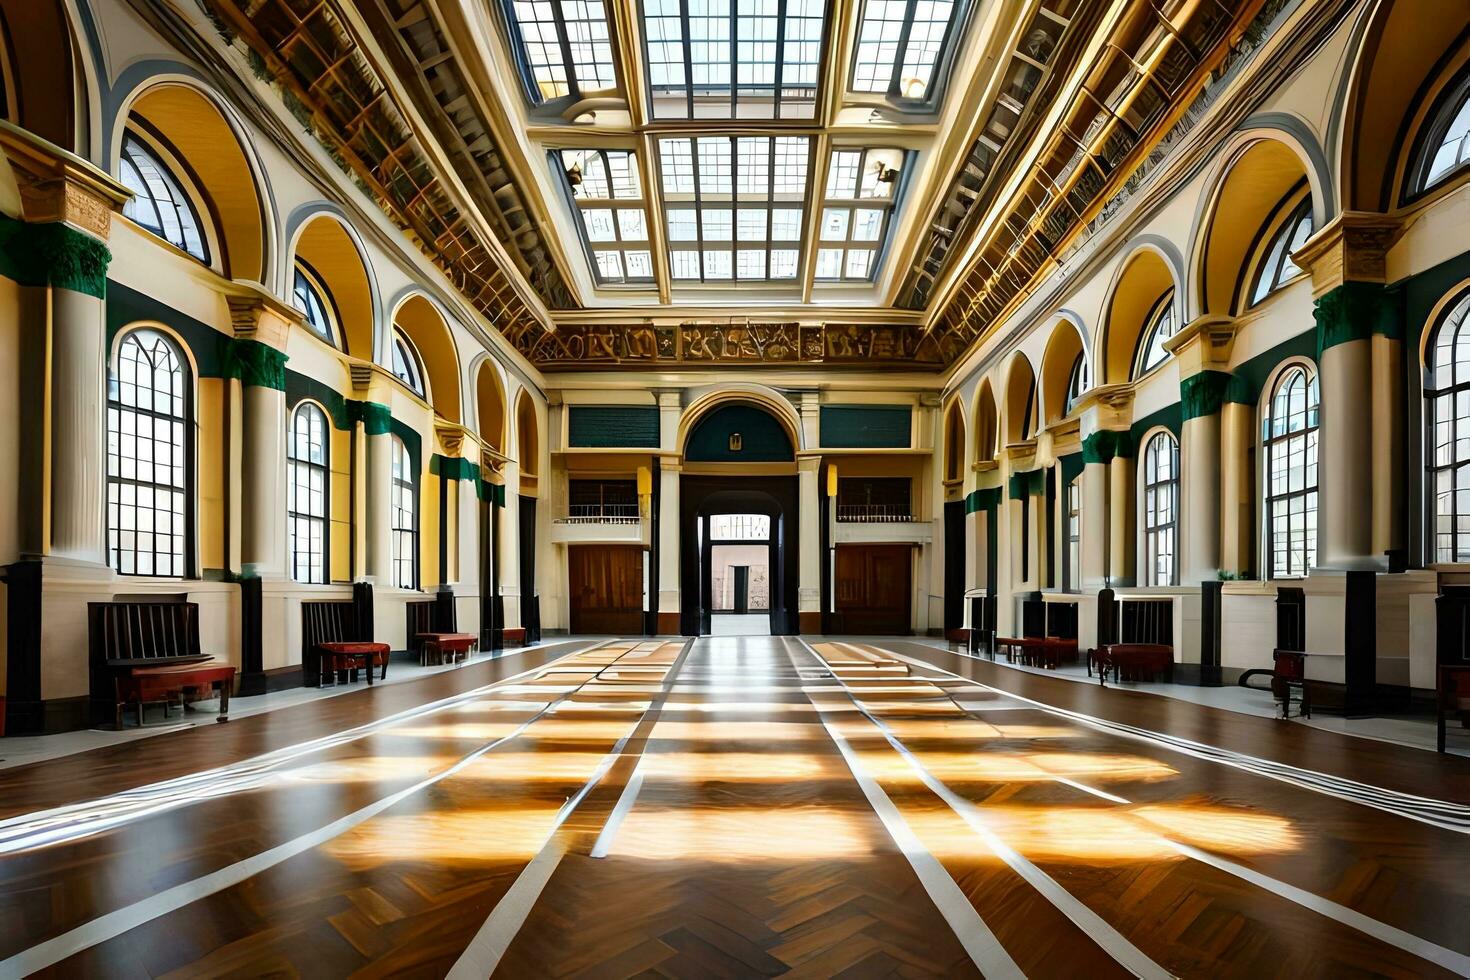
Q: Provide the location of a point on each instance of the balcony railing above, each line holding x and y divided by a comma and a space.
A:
600, 514
873, 514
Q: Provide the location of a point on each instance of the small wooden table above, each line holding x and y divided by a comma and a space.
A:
160, 682
456, 646
350, 656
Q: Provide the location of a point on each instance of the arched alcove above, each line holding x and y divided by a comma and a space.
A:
528, 437
1058, 362
738, 432
41, 70
325, 246
954, 442
1145, 281
1020, 401
421, 321
490, 405
1265, 183
987, 424
185, 127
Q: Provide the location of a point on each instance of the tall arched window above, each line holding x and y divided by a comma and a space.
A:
1158, 327
149, 464
306, 493
406, 364
159, 202
405, 524
1077, 383
1289, 433
309, 295
1160, 509
1443, 148
1447, 425
1276, 266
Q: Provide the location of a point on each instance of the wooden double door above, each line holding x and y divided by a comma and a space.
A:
606, 589
873, 589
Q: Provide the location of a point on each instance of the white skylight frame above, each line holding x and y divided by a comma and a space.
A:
612, 214
563, 48
903, 47
735, 207
734, 59
857, 212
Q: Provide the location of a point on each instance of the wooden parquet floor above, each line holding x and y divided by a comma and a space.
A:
757, 808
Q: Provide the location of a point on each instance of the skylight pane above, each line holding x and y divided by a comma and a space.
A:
900, 44
612, 235
852, 236
549, 32
729, 59
723, 190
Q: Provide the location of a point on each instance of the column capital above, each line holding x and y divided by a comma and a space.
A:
1203, 393
257, 315
1351, 248
1105, 445
58, 186
452, 437
808, 464
1203, 344
1106, 407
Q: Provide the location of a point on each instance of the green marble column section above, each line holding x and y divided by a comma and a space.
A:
1201, 396
255, 364
1348, 318
73, 265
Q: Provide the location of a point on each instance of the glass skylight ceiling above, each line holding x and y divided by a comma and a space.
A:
611, 214
554, 35
733, 59
734, 206
857, 205
899, 46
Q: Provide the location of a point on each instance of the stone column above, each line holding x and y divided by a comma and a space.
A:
1237, 486
668, 548
379, 472
1201, 395
78, 424
510, 546
263, 473
1122, 519
809, 566
1346, 261
1094, 543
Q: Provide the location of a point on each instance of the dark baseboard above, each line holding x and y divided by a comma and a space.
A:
668, 624
283, 678
1199, 675
50, 717
811, 622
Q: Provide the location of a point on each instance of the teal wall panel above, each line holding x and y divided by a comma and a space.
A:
612, 426
866, 426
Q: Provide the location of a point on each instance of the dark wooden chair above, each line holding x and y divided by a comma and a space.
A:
149, 653
333, 642
1452, 697
1133, 661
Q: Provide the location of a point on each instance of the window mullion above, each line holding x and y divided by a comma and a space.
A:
574, 88
688, 66
776, 100
901, 51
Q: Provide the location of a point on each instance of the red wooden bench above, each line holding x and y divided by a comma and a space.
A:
1132, 661
149, 653
333, 641
437, 646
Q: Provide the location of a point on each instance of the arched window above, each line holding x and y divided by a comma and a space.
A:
1077, 383
406, 364
1289, 433
1158, 328
1444, 142
1447, 425
309, 296
306, 493
1277, 267
405, 525
149, 464
159, 202
1160, 509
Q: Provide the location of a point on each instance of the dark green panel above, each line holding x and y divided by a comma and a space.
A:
762, 439
299, 387
208, 345
866, 426
612, 426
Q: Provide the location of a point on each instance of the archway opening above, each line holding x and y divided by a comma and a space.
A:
1144, 293
1265, 187
426, 329
739, 573
327, 253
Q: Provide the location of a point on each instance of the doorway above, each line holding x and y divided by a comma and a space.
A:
606, 585
750, 520
739, 574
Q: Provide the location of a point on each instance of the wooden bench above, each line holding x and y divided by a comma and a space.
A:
1131, 661
1452, 697
332, 640
1038, 651
149, 653
436, 646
